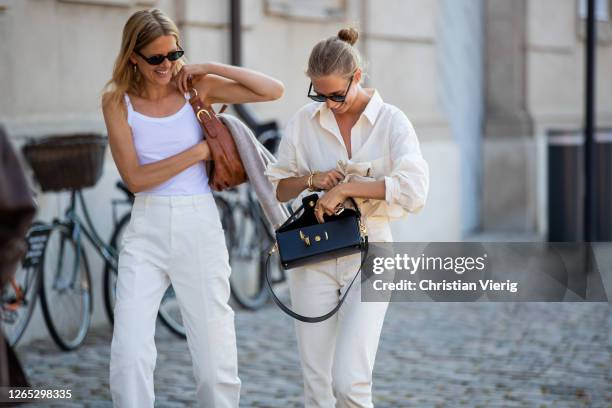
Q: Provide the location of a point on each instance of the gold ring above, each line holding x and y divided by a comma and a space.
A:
200, 111
194, 92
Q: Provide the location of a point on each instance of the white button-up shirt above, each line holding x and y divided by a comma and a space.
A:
384, 146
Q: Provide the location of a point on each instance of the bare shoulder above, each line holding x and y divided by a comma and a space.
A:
113, 107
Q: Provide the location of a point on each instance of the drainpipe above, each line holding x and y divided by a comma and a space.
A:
244, 112
589, 122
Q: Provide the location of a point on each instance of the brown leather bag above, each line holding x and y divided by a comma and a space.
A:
225, 170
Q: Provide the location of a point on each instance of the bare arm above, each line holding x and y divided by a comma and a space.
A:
221, 83
357, 189
291, 187
143, 177
364, 189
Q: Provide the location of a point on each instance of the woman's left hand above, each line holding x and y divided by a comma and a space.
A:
328, 203
189, 71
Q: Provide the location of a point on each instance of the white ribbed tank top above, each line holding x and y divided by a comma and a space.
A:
159, 138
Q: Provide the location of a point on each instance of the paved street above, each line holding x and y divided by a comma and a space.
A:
431, 355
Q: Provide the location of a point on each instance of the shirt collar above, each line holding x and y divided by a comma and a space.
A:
373, 107
371, 110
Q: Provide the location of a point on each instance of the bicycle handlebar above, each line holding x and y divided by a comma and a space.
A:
123, 187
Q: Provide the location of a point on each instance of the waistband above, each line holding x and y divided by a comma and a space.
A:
172, 201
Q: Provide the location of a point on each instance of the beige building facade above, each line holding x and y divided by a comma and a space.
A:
534, 82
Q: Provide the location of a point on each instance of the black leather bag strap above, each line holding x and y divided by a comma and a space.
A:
292, 217
315, 319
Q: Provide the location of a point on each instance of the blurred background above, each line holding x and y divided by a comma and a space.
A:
491, 87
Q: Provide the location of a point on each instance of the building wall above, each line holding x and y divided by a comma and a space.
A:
460, 58
508, 146
534, 82
556, 74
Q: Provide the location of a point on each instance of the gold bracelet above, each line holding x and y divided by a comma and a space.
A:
309, 184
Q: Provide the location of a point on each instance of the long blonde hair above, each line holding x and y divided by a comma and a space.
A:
142, 28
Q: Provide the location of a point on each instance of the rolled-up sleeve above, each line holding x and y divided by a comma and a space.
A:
408, 183
286, 160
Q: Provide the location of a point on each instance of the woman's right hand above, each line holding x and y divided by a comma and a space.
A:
327, 180
187, 73
204, 150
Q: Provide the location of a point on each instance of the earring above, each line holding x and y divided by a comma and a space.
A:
134, 66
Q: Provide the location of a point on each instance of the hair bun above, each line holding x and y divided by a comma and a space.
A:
349, 35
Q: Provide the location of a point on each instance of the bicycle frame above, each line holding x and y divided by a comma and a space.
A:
129, 199
78, 228
36, 238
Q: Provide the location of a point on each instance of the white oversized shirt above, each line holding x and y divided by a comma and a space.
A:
384, 146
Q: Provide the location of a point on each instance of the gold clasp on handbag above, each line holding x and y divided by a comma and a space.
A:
318, 237
362, 229
305, 238
202, 111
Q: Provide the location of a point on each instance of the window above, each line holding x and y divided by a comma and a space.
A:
117, 3
602, 18
4, 4
324, 10
602, 9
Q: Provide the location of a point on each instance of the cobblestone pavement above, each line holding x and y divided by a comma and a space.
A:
431, 355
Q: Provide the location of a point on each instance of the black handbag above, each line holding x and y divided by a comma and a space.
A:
301, 240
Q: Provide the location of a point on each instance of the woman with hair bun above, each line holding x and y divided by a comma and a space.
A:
348, 143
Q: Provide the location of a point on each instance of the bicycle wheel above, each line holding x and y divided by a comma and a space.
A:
110, 273
248, 251
66, 289
18, 298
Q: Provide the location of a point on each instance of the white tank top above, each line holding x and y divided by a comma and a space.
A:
156, 139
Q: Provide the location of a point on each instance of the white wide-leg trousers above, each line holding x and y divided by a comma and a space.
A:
178, 240
337, 355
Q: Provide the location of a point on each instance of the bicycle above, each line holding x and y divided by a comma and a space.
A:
58, 269
55, 266
64, 163
18, 297
249, 237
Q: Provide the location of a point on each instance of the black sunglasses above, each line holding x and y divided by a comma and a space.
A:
334, 98
158, 59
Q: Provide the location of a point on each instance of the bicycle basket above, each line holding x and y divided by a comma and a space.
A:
67, 162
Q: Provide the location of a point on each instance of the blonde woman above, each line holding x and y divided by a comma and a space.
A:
349, 143
175, 234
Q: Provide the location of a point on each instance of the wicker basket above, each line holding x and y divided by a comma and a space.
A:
69, 162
